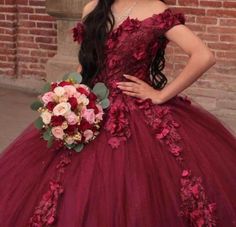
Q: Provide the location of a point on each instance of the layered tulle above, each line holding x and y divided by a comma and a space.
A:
140, 183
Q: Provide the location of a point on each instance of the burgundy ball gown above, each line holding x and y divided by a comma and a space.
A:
152, 165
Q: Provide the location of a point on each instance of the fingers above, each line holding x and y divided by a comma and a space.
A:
133, 78
131, 94
131, 88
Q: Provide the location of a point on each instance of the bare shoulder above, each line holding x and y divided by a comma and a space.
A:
157, 6
89, 7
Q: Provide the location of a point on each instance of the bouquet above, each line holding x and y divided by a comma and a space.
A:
70, 112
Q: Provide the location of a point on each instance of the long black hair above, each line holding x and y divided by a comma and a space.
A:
91, 54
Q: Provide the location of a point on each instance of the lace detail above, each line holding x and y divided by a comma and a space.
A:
194, 203
45, 212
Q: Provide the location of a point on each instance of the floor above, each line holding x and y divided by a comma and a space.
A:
15, 114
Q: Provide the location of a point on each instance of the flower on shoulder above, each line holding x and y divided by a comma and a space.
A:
78, 32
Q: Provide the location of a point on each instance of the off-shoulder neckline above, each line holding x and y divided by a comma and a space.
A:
154, 15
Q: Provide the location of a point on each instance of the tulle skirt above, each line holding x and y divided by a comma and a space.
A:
183, 175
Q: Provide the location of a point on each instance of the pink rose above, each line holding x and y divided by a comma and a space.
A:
88, 134
48, 97
71, 118
89, 115
99, 115
58, 132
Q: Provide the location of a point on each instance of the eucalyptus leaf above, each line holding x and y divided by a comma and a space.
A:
39, 123
100, 90
47, 134
75, 76
79, 147
46, 87
36, 105
50, 142
105, 103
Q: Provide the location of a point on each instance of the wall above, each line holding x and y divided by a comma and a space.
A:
28, 40
215, 23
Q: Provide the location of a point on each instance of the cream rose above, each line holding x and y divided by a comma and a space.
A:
46, 117
70, 90
59, 91
61, 108
69, 140
83, 99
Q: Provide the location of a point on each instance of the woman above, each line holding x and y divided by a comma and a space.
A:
159, 160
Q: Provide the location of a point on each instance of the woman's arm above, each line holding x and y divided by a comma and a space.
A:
201, 59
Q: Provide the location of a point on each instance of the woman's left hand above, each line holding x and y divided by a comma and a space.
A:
140, 89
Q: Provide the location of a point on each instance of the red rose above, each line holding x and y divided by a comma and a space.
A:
92, 96
82, 91
51, 105
84, 125
53, 86
71, 130
64, 83
73, 102
57, 120
92, 105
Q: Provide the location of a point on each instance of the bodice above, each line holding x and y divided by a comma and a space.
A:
130, 48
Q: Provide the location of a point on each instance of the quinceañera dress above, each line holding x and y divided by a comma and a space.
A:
152, 165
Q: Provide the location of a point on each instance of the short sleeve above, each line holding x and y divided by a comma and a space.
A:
78, 32
168, 19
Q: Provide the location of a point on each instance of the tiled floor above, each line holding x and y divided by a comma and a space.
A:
15, 114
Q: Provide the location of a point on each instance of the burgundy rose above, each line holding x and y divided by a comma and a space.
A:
92, 96
53, 86
82, 91
84, 125
73, 102
64, 83
92, 105
51, 105
71, 129
57, 120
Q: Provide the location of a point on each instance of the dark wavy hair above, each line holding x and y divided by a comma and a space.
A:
91, 54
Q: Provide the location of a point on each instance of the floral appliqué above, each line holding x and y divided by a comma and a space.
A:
118, 124
45, 212
78, 32
194, 203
